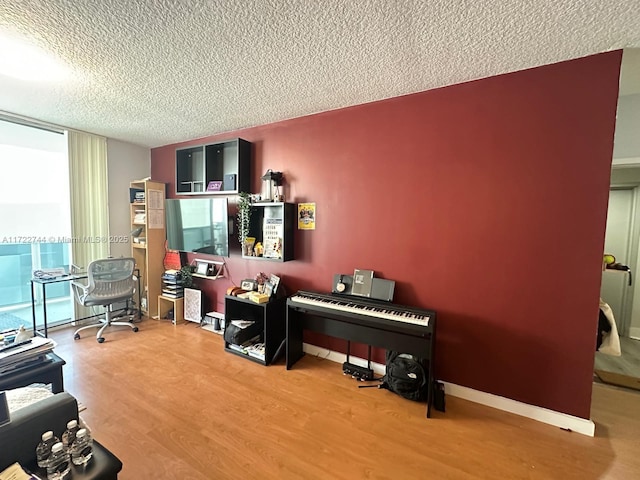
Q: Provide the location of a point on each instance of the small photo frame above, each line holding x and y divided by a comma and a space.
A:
202, 268
214, 186
268, 289
248, 285
274, 280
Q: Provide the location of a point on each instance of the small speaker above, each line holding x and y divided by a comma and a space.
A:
382, 289
229, 182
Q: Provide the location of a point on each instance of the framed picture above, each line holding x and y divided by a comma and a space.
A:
274, 280
248, 284
202, 268
268, 289
214, 186
306, 216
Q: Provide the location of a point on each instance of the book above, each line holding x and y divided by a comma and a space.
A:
362, 282
238, 348
273, 232
257, 350
16, 472
274, 280
242, 323
170, 294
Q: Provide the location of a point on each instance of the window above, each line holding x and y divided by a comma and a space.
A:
35, 218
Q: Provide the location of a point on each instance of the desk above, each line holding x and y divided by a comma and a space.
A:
49, 372
66, 278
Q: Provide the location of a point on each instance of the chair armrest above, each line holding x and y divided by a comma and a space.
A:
80, 290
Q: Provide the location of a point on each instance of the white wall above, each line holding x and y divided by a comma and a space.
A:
125, 162
626, 146
626, 170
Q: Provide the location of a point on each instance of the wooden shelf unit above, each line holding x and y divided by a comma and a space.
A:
165, 304
149, 255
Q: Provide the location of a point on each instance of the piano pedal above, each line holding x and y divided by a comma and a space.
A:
363, 374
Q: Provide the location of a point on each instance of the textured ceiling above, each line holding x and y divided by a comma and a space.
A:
160, 72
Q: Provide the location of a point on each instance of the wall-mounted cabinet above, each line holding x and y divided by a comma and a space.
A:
272, 224
215, 168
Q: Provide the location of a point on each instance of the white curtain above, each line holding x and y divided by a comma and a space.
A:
89, 197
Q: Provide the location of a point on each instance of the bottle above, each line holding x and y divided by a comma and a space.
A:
43, 450
59, 466
69, 434
83, 424
82, 448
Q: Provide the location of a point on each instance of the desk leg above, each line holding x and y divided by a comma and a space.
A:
429, 391
139, 299
431, 355
44, 308
33, 308
294, 338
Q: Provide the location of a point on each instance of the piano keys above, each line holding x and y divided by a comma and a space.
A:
380, 310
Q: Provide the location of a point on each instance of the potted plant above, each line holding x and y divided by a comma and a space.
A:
186, 273
244, 217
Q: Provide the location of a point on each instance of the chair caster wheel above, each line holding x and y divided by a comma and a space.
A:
100, 339
76, 336
135, 329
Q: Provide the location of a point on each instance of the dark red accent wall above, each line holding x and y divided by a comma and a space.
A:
485, 201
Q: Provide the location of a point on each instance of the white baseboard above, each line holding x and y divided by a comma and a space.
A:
634, 332
625, 161
541, 414
544, 415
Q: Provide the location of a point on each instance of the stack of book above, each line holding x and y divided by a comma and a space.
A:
32, 351
172, 284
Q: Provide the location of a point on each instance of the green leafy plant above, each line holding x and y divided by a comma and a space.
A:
244, 216
186, 273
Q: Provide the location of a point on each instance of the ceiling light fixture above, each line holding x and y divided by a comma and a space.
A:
22, 60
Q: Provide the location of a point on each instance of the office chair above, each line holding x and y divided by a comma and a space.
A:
110, 280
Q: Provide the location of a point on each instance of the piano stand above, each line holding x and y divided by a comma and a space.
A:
417, 341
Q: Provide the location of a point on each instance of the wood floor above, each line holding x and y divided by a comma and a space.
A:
172, 404
627, 364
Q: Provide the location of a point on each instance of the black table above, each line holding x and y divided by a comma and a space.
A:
47, 372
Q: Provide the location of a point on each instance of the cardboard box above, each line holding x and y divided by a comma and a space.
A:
259, 297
